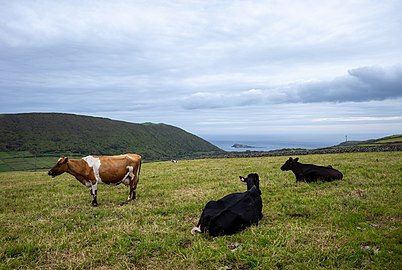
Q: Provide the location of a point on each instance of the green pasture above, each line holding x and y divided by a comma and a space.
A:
385, 141
26, 161
350, 224
391, 139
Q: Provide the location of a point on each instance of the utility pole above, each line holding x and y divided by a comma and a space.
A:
346, 138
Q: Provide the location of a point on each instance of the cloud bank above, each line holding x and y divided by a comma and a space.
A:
205, 64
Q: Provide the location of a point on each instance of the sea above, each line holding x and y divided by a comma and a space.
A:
274, 142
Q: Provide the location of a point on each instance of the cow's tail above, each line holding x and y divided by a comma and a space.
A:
197, 228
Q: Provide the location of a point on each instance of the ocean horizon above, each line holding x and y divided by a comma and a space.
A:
276, 142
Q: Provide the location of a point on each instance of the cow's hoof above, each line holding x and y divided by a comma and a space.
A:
125, 202
195, 230
94, 204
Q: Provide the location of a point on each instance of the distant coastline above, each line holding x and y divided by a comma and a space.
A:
388, 143
257, 143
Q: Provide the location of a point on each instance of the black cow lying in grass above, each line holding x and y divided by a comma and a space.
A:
233, 212
310, 172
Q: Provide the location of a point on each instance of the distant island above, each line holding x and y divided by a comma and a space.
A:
238, 145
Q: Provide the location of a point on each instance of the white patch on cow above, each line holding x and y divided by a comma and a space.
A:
129, 175
94, 163
94, 188
195, 229
88, 184
59, 159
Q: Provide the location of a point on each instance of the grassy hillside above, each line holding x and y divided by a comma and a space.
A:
355, 223
40, 133
389, 140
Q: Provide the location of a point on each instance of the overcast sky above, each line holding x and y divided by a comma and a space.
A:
209, 67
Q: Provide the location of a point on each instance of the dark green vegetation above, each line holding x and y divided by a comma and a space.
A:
355, 223
54, 133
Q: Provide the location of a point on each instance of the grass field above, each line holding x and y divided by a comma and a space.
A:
26, 161
395, 139
355, 223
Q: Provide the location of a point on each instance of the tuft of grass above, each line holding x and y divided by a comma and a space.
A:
350, 224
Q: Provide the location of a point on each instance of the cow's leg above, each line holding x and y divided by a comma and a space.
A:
93, 193
131, 196
133, 187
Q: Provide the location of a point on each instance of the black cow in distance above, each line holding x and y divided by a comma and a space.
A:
311, 173
233, 212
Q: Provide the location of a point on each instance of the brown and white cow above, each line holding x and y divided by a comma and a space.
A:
94, 170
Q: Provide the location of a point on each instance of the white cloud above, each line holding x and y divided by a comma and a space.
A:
358, 119
219, 99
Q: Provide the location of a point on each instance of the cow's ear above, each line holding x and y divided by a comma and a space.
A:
241, 178
296, 159
65, 160
290, 158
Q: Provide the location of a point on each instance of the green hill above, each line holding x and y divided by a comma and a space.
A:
389, 140
50, 133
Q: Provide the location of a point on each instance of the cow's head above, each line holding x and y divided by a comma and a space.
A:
289, 164
251, 180
60, 167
